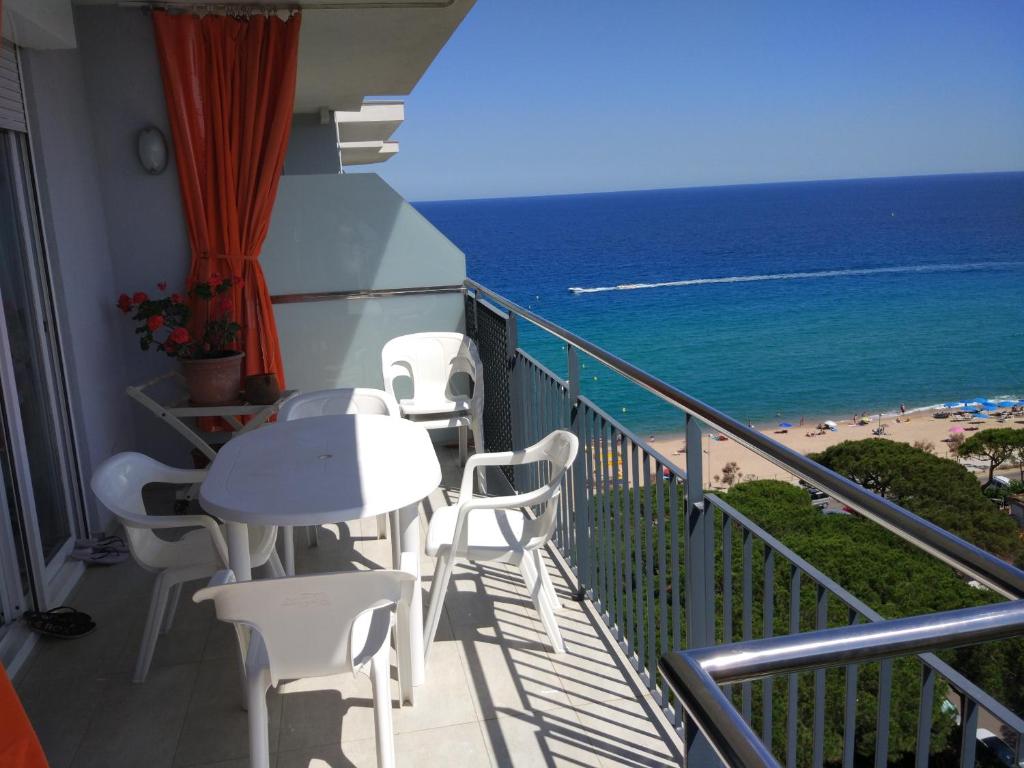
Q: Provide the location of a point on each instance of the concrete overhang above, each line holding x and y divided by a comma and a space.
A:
366, 152
351, 49
375, 121
41, 24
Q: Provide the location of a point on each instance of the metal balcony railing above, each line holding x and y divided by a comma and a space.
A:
650, 550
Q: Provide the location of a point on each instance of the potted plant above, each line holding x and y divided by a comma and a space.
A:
210, 363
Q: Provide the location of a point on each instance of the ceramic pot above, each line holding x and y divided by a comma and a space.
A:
262, 389
214, 380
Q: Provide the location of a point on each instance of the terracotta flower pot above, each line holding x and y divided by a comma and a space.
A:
214, 380
262, 389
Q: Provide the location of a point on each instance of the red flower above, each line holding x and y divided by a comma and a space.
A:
124, 303
155, 322
170, 348
179, 336
139, 297
215, 280
162, 286
177, 298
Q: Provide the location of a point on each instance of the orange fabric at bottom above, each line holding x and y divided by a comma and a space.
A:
19, 746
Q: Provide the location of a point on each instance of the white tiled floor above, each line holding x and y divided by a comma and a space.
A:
495, 695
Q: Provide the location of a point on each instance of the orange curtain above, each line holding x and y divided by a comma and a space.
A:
230, 89
19, 746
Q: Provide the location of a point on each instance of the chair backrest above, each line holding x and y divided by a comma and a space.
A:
430, 360
118, 484
338, 402
558, 450
317, 625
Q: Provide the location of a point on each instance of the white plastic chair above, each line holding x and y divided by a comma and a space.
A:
336, 402
118, 484
498, 529
430, 360
307, 630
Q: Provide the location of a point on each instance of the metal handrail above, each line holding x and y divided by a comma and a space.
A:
938, 542
696, 674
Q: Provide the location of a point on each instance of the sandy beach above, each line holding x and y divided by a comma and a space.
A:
916, 427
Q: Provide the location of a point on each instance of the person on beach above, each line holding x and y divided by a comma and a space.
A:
903, 409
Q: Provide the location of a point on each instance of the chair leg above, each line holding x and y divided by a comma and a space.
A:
545, 580
541, 603
381, 679
382, 526
478, 447
259, 725
396, 540
438, 587
276, 568
288, 546
172, 606
312, 536
463, 444
157, 607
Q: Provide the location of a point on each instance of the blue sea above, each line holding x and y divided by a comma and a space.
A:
772, 301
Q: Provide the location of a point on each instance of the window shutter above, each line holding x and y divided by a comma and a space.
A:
12, 103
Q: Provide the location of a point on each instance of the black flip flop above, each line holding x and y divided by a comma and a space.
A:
62, 622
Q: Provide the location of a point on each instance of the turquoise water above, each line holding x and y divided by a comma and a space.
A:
782, 301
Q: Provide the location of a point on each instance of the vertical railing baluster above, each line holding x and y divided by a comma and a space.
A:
884, 706
590, 419
652, 659
850, 712
727, 636
616, 527
748, 613
677, 619
818, 731
638, 560
628, 503
792, 696
969, 731
602, 507
767, 625
924, 717
660, 530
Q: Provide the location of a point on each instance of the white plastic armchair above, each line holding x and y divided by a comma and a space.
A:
308, 629
336, 402
430, 360
118, 484
498, 529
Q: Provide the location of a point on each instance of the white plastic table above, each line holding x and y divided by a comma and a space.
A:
329, 469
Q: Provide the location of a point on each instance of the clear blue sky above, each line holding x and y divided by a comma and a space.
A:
535, 97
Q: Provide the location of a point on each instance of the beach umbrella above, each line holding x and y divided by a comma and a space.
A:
785, 424
831, 424
971, 409
955, 404
981, 415
988, 406
1020, 402
956, 430
1007, 403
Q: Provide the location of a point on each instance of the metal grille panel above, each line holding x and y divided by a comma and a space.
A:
488, 327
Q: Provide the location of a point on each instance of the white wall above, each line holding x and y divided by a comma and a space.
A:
79, 254
146, 230
352, 232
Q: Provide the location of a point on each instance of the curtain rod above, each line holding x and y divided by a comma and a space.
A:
271, 8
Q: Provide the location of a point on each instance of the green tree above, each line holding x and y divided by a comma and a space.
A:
994, 445
937, 489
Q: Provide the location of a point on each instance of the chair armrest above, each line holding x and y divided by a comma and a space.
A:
158, 522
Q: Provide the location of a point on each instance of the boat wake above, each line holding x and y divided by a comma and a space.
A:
799, 276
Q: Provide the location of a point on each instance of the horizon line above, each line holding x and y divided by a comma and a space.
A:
716, 186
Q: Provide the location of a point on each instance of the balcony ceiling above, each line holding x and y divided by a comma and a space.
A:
351, 49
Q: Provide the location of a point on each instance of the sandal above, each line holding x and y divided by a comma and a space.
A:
63, 622
105, 542
100, 556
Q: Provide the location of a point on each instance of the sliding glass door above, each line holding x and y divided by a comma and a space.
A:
40, 495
